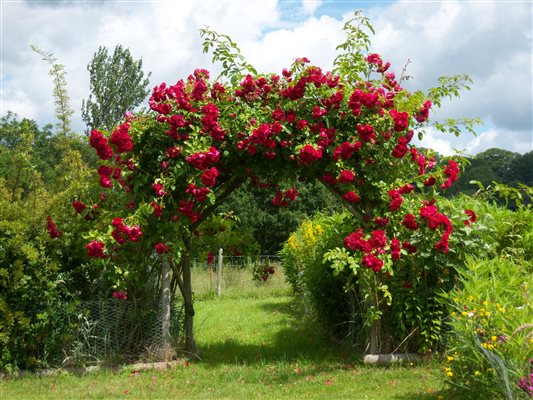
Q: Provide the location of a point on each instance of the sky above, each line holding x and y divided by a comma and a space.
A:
490, 41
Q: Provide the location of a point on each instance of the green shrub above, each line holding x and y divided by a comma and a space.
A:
321, 291
491, 344
35, 319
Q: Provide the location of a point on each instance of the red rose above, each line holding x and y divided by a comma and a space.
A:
308, 155
472, 215
52, 228
209, 176
96, 249
346, 176
160, 248
351, 196
120, 295
79, 206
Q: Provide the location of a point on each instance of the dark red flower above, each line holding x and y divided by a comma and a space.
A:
395, 249
96, 249
381, 221
401, 120
120, 295
366, 133
430, 181
308, 155
159, 189
351, 196
346, 176
121, 138
409, 221
472, 215
203, 160
291, 194
52, 228
99, 143
209, 176
210, 258
452, 173
423, 114
372, 262
409, 247
160, 248
79, 206
379, 239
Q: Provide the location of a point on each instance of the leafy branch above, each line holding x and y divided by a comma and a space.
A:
450, 86
351, 52
226, 51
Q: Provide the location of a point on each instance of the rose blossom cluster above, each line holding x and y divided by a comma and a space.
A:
372, 247
122, 233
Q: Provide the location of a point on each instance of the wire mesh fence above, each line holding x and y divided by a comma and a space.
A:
121, 330
115, 331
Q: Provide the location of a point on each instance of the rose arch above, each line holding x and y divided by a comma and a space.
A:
164, 172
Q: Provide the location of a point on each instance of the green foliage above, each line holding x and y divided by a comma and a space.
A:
35, 318
335, 280
499, 161
271, 226
224, 230
117, 84
350, 60
521, 170
491, 345
62, 100
41, 280
324, 291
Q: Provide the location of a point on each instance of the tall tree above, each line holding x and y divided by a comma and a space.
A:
521, 170
499, 160
62, 100
117, 84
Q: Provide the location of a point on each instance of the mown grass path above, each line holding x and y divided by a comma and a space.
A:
251, 347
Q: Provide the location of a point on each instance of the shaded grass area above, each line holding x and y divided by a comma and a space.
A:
254, 344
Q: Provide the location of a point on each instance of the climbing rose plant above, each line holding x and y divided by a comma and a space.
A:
350, 128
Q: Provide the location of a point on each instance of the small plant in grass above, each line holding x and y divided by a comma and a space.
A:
262, 272
491, 347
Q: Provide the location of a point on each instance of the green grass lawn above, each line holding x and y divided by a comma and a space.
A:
254, 344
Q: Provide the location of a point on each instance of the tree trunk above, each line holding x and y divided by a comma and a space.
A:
165, 306
190, 344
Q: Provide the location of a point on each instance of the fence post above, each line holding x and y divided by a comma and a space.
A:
165, 305
219, 273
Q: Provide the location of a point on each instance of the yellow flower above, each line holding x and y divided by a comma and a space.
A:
493, 338
453, 314
464, 313
487, 314
449, 373
470, 298
477, 373
450, 359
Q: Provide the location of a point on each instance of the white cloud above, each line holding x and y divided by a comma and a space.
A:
310, 6
432, 140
